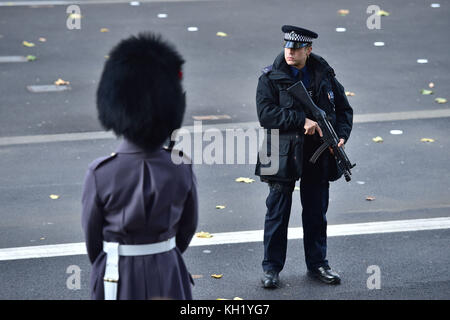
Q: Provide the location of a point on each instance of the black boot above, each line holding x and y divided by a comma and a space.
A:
270, 279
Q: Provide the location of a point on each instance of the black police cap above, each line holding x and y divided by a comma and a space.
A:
296, 37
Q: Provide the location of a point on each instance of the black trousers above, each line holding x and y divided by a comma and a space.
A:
314, 195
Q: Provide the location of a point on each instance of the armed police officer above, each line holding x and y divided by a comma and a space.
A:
299, 136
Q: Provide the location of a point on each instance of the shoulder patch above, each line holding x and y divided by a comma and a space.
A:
267, 69
100, 161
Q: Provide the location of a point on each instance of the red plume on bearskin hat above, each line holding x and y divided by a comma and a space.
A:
140, 95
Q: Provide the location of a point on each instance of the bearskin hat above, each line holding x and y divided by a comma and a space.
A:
140, 96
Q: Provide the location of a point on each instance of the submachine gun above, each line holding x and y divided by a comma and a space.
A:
330, 138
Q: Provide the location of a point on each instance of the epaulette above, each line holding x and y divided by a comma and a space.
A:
100, 161
267, 69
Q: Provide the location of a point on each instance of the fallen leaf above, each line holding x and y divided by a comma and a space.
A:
197, 276
203, 234
426, 92
31, 57
431, 85
237, 298
349, 94
61, 82
370, 198
104, 30
28, 44
54, 196
440, 100
396, 132
220, 207
427, 140
377, 139
222, 299
221, 34
245, 180
216, 276
75, 16
42, 238
343, 12
42, 39
383, 13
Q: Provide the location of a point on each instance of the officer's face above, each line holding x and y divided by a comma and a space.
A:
297, 57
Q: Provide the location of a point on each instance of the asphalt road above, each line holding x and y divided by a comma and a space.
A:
407, 177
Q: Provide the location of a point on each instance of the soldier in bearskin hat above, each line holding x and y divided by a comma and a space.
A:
139, 208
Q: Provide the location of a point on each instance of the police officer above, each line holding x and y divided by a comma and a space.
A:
299, 136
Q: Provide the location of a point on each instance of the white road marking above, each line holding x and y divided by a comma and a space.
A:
380, 227
95, 135
8, 59
81, 2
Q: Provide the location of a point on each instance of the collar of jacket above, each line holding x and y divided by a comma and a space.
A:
316, 64
126, 146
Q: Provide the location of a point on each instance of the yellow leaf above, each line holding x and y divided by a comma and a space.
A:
370, 198
245, 180
349, 94
42, 39
54, 196
197, 276
203, 234
343, 12
383, 13
426, 92
220, 207
61, 82
221, 34
237, 298
222, 299
440, 100
28, 44
427, 140
104, 30
75, 16
377, 139
216, 276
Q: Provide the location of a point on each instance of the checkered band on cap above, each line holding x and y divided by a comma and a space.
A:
292, 36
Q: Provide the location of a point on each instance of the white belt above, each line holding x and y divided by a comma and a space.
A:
114, 250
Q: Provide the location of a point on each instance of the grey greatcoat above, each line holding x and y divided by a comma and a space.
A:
139, 197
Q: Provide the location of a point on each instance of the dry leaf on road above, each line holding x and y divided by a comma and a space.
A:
28, 44
61, 82
377, 139
203, 234
440, 100
245, 180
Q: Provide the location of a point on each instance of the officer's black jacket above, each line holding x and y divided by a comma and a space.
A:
278, 110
